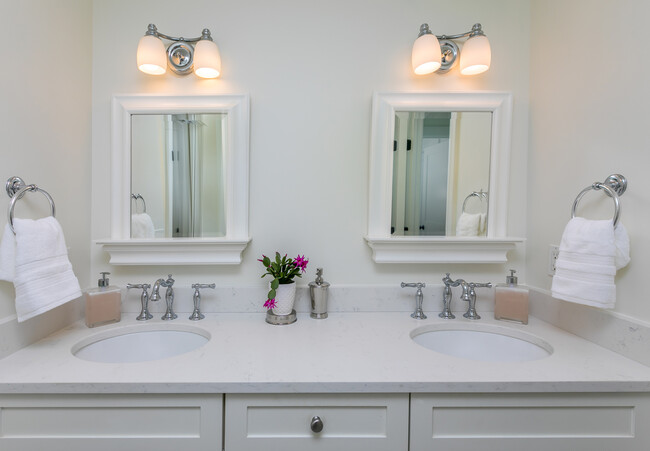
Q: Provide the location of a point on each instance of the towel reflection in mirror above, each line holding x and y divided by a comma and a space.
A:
438, 158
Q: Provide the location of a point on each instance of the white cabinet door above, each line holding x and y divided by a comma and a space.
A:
284, 422
111, 422
530, 422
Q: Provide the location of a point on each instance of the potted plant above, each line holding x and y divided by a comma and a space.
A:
282, 293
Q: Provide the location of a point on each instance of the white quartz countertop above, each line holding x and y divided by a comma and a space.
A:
347, 352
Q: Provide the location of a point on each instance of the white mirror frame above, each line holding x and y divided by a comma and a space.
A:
180, 251
434, 249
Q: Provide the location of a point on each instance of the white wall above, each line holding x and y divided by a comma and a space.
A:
45, 87
590, 112
311, 69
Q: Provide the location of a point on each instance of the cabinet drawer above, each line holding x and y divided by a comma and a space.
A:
110, 422
503, 422
284, 422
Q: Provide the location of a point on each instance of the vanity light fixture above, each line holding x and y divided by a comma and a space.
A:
433, 53
181, 56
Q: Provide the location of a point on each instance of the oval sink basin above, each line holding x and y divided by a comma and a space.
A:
138, 344
484, 343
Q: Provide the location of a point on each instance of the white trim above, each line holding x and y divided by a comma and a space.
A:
236, 173
381, 168
177, 251
427, 249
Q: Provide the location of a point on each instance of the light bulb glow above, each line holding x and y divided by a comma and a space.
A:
152, 58
476, 56
207, 60
426, 57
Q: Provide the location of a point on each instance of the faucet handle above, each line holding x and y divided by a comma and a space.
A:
418, 285
418, 313
197, 286
144, 286
196, 298
144, 300
480, 285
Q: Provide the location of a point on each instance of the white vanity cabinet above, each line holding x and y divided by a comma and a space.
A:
289, 422
111, 422
531, 422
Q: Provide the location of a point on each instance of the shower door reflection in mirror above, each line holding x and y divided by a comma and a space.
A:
177, 175
441, 173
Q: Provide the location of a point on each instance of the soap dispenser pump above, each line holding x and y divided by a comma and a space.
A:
511, 300
103, 304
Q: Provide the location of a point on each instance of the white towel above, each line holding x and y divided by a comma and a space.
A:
39, 267
141, 226
468, 224
590, 253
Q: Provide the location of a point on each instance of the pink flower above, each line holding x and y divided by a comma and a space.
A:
270, 303
301, 262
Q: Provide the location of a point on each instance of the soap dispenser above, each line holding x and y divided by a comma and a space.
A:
318, 290
511, 300
103, 304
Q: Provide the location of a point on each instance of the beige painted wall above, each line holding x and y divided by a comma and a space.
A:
311, 69
590, 113
45, 108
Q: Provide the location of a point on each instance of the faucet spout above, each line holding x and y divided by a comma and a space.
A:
169, 296
447, 297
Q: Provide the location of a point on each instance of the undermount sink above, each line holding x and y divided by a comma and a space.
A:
140, 344
482, 342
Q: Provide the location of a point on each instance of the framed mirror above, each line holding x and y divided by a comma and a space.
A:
179, 179
439, 167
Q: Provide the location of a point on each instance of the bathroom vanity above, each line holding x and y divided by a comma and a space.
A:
353, 381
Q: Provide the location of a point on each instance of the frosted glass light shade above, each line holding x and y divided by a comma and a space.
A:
426, 56
476, 56
207, 60
152, 57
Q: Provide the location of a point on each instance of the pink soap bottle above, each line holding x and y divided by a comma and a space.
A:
103, 304
511, 300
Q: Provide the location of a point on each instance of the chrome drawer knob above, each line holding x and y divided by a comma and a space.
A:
316, 424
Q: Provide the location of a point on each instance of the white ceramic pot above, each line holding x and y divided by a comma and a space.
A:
285, 296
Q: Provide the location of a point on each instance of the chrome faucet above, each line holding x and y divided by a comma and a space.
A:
447, 298
469, 295
144, 300
169, 296
418, 313
196, 314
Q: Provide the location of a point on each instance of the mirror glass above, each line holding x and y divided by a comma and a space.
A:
177, 175
441, 173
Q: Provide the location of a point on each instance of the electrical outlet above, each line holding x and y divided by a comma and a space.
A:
553, 252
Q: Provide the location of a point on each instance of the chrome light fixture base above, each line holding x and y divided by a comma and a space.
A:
180, 57
449, 51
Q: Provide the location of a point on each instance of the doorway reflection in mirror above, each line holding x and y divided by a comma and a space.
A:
177, 165
439, 157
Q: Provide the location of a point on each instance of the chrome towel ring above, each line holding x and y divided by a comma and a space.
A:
614, 186
16, 189
135, 197
479, 194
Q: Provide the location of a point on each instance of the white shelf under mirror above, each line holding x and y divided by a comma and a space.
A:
234, 169
445, 248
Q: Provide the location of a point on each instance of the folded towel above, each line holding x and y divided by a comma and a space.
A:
468, 224
39, 267
590, 253
141, 226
